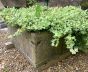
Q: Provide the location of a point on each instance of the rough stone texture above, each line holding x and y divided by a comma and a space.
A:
9, 45
2, 24
1, 5
64, 2
22, 3
14, 3
37, 47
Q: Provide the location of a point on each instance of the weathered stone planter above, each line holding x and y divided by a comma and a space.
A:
37, 48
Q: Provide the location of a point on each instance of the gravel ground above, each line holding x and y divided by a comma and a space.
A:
11, 60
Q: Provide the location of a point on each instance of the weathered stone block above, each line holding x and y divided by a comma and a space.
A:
1, 5
3, 25
36, 46
9, 45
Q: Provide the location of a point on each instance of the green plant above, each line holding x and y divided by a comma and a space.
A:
68, 22
84, 4
30, 2
38, 10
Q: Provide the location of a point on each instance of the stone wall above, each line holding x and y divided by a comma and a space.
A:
22, 3
14, 3
64, 2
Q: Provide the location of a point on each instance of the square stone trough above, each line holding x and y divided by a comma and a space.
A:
36, 47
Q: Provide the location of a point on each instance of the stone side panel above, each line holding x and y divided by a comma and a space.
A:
37, 47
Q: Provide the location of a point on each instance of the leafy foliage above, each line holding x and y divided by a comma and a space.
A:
30, 2
69, 22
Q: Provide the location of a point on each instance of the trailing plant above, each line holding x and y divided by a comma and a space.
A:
68, 22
